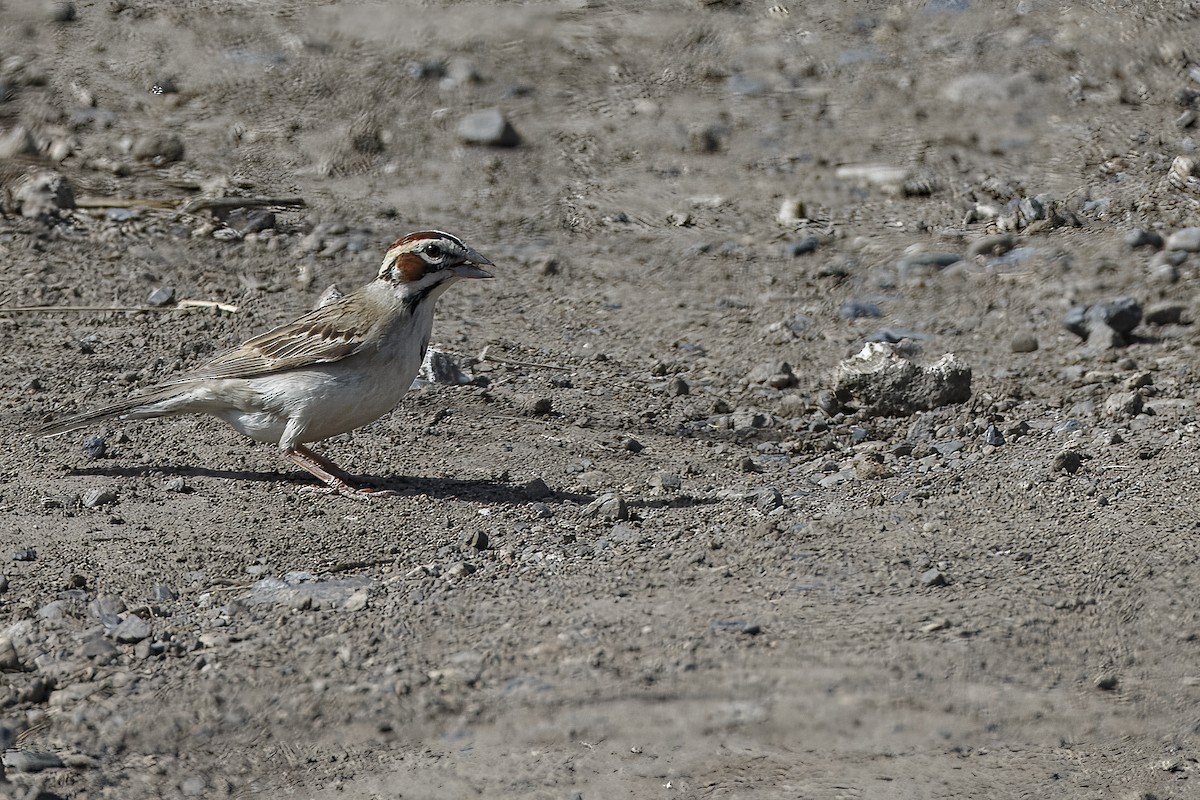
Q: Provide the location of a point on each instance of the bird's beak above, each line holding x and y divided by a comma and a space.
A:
471, 267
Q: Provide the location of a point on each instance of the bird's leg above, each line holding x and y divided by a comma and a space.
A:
334, 477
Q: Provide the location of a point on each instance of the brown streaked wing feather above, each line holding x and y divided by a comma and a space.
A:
319, 337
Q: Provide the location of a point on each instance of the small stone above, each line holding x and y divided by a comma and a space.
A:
250, 220
859, 309
881, 381
162, 296
98, 497
737, 626
440, 367
1108, 681
994, 245
668, 481
608, 507
131, 629
933, 577
162, 593
95, 447
477, 541
1144, 238
802, 247
1067, 461
1186, 239
177, 485
3, 583
357, 601
25, 554
1124, 405
9, 660
677, 387
632, 445
158, 148
106, 605
1024, 343
767, 499
99, 650
776, 374
536, 489
1122, 315
61, 10
30, 761
791, 211
488, 127
1165, 313
992, 436
537, 406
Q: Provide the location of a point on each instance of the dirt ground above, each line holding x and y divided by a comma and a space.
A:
635, 556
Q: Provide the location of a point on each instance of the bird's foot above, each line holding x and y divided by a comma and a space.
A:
340, 487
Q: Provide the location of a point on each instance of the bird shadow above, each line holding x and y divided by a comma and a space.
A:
473, 490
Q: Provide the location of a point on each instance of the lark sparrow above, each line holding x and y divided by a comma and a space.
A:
335, 369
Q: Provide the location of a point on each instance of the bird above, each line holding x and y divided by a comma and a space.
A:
333, 370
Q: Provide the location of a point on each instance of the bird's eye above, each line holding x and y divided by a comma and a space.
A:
433, 250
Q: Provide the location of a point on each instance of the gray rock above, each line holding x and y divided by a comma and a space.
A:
98, 497
106, 604
802, 247
536, 489
488, 127
665, 480
994, 245
162, 296
158, 148
933, 577
9, 660
61, 10
3, 584
30, 761
776, 374
881, 382
25, 554
992, 436
43, 194
162, 593
677, 387
1165, 313
1068, 461
749, 420
1186, 239
95, 447
99, 650
442, 368
767, 499
1107, 681
1122, 315
132, 629
737, 626
609, 507
1024, 343
1144, 238
1124, 405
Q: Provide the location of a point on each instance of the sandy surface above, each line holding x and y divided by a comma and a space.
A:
701, 576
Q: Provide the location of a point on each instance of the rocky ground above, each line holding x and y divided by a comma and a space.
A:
665, 537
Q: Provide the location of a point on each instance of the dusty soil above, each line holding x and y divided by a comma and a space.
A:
783, 596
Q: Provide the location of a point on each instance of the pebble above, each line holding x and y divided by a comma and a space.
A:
177, 485
802, 247
665, 480
1107, 681
1186, 239
98, 497
162, 296
9, 660
162, 592
3, 583
537, 406
440, 367
250, 220
131, 629
1024, 343
536, 489
1067, 461
882, 382
99, 650
106, 604
25, 554
992, 436
159, 148
1165, 313
1124, 405
95, 447
61, 10
30, 761
749, 420
1144, 238
609, 507
477, 541
859, 309
994, 245
488, 127
1122, 315
632, 445
767, 499
677, 387
776, 374
737, 626
933, 577
358, 600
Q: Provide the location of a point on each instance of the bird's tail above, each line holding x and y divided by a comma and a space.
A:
160, 402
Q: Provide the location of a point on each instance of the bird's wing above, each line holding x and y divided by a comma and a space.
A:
330, 333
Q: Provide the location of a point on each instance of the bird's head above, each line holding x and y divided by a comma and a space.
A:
422, 261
